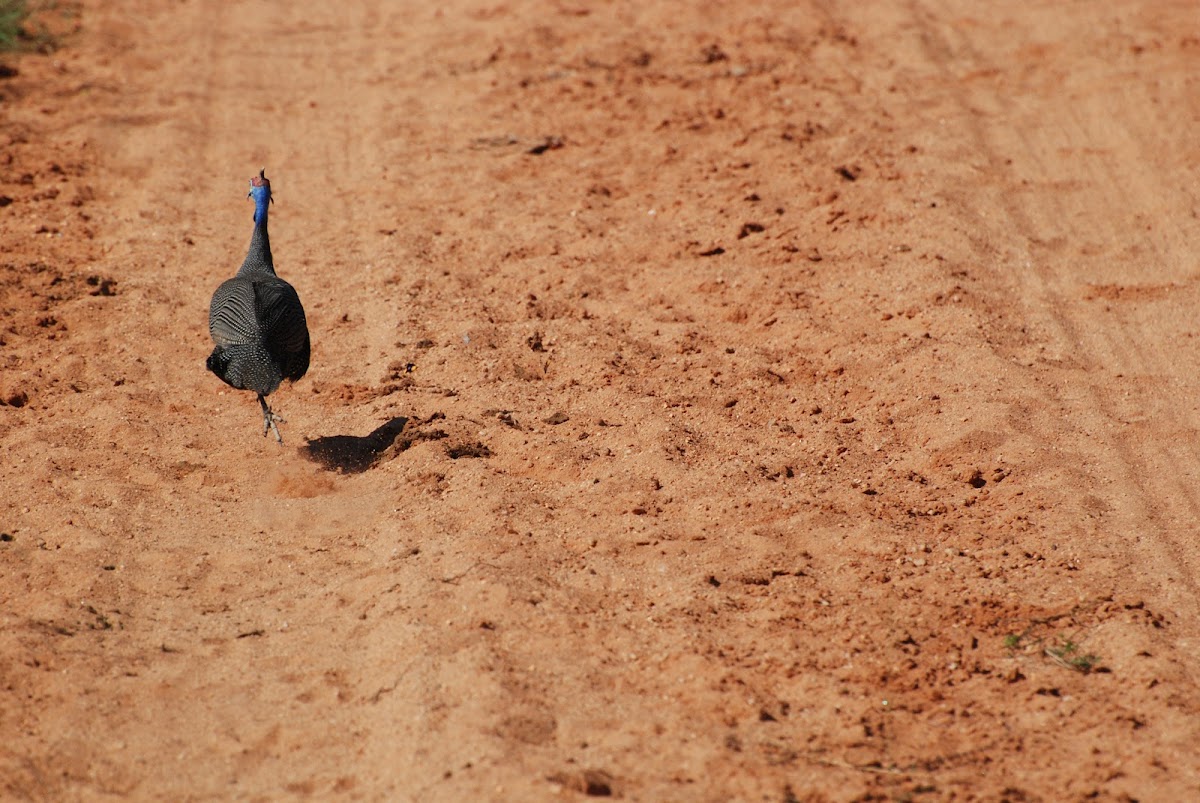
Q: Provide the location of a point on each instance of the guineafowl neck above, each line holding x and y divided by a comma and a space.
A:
258, 258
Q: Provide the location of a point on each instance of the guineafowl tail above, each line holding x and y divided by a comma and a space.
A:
218, 361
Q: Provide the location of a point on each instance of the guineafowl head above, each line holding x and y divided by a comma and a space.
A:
260, 191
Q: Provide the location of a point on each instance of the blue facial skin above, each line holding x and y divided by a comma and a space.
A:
261, 193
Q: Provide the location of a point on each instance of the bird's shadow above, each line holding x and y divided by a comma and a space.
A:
353, 454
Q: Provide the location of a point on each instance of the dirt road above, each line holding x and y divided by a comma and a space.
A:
795, 402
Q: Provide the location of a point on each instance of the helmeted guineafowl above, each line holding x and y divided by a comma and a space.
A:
257, 321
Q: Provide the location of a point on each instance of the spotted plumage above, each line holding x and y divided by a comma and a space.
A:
257, 321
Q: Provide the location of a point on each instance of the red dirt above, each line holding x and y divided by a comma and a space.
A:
802, 397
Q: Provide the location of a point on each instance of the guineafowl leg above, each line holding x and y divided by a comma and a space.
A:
270, 420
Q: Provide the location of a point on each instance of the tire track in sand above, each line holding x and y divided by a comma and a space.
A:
1058, 244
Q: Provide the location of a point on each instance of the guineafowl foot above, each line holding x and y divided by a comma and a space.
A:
271, 420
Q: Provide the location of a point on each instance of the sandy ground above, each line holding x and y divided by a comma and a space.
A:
794, 402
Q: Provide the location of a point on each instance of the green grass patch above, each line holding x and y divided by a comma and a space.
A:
1045, 636
13, 15
1070, 656
36, 26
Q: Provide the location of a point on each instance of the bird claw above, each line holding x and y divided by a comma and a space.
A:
271, 420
